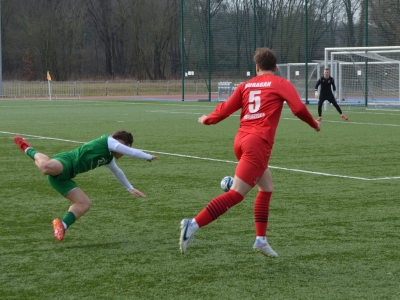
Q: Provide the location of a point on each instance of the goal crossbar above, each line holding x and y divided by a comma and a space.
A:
354, 49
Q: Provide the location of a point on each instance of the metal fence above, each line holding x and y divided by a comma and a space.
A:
303, 77
106, 88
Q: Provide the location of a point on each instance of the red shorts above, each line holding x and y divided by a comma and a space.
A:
253, 154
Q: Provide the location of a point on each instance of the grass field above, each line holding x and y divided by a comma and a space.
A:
334, 217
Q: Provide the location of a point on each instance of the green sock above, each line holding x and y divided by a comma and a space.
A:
69, 218
31, 152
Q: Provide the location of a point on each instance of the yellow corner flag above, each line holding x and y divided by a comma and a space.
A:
48, 76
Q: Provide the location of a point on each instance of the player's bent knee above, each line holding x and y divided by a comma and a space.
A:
86, 206
81, 208
265, 189
45, 170
48, 169
84, 202
79, 198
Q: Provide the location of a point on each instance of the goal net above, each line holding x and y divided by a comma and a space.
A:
366, 75
302, 76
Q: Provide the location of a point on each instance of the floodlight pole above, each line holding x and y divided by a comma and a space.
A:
209, 47
366, 57
1, 59
255, 30
182, 53
306, 75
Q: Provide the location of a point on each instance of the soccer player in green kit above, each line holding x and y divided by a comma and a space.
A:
62, 167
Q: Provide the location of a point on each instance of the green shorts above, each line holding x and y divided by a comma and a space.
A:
63, 186
63, 182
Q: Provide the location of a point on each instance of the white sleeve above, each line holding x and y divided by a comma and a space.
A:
112, 143
116, 146
119, 175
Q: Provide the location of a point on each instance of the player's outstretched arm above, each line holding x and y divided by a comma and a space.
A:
132, 152
319, 126
201, 119
224, 109
137, 193
152, 158
298, 108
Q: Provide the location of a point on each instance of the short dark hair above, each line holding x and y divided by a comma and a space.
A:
265, 59
124, 136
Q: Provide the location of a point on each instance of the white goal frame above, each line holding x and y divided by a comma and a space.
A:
296, 74
354, 49
376, 53
340, 80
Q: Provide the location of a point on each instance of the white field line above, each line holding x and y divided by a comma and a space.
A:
216, 160
290, 119
186, 106
181, 104
181, 112
73, 103
349, 122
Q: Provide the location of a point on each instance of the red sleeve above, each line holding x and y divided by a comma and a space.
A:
225, 109
304, 115
298, 108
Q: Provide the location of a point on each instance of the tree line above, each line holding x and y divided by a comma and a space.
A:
137, 39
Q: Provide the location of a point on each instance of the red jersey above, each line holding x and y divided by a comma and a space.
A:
261, 100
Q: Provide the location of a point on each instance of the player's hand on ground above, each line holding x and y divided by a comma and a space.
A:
138, 193
152, 158
201, 119
319, 126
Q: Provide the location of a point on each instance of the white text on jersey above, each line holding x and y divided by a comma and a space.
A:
258, 84
253, 116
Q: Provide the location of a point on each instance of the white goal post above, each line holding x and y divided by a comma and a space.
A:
296, 73
366, 75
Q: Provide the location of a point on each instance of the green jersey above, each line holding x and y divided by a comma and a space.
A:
87, 157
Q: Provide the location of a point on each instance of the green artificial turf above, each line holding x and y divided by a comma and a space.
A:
334, 215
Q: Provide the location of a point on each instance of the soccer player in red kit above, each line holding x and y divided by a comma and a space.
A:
261, 101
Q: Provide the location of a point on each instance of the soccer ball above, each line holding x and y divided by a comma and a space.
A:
226, 183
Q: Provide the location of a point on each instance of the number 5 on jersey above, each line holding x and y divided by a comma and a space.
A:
254, 101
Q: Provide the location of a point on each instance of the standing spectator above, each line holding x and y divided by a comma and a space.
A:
326, 82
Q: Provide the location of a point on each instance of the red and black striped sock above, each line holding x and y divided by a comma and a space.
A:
218, 206
261, 210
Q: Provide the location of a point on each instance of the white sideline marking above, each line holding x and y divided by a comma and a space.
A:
290, 119
218, 160
347, 122
175, 112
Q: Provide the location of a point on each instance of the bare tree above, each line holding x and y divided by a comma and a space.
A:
142, 39
109, 18
384, 19
291, 32
322, 26
268, 13
352, 9
152, 36
10, 37
238, 20
52, 32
